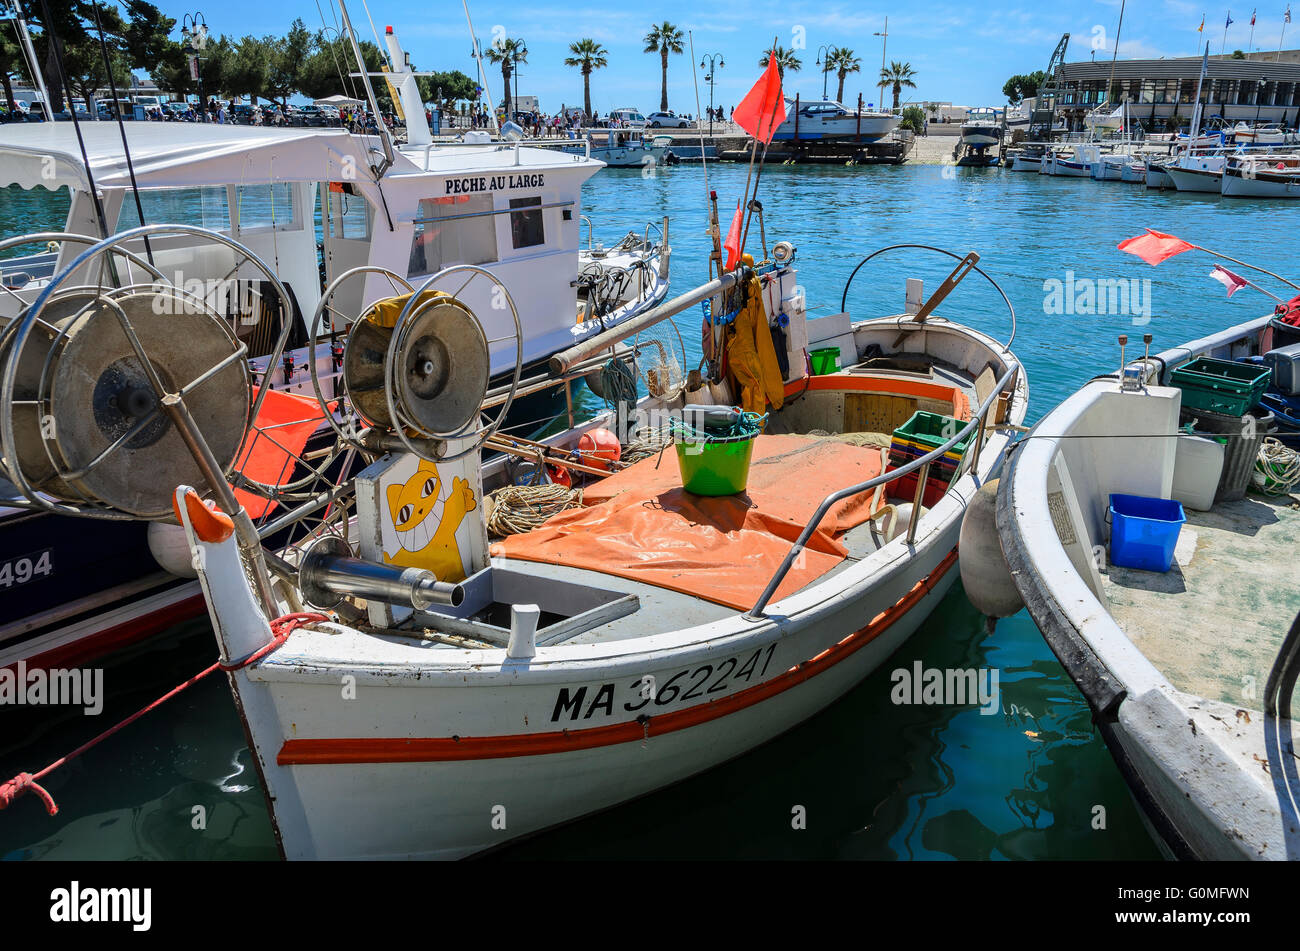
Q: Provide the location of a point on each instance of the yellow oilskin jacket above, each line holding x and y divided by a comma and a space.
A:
751, 356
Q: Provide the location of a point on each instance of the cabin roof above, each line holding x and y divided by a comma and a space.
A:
171, 155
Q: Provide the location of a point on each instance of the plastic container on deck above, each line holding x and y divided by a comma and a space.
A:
719, 466
1220, 386
1144, 532
1198, 468
825, 360
1284, 362
1243, 436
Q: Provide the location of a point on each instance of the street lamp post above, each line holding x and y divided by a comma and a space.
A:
884, 43
1259, 97
824, 61
714, 61
521, 50
195, 30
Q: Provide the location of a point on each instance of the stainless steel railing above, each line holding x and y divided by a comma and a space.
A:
978, 421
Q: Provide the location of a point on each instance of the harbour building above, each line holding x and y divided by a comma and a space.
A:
1162, 92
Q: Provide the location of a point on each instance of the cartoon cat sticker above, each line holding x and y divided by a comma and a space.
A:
427, 516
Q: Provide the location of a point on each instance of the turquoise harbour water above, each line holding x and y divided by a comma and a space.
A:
875, 780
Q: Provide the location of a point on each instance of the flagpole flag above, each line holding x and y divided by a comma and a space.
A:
732, 244
1154, 247
1233, 282
763, 108
1201, 28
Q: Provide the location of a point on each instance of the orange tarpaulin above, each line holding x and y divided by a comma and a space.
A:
642, 525
284, 424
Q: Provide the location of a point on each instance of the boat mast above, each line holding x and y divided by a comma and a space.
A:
1197, 110
482, 74
1110, 83
384, 137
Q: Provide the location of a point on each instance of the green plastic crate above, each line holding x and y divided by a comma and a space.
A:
1220, 386
926, 432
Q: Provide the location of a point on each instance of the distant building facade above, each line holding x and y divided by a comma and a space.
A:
1266, 88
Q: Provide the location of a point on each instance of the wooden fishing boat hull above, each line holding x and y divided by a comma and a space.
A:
1195, 179
471, 762
1260, 184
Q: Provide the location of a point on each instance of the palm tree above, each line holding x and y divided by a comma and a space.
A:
785, 59
507, 52
898, 75
842, 60
587, 55
664, 39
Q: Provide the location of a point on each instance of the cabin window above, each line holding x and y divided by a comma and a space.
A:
349, 216
456, 229
526, 229
204, 206
263, 207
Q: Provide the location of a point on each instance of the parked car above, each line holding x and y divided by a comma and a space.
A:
178, 111
666, 120
313, 116
627, 119
244, 114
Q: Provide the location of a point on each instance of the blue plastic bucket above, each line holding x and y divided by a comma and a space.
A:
1143, 532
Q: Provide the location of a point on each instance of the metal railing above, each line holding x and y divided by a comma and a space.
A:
978, 421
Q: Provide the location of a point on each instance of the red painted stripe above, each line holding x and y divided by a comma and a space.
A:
299, 752
110, 639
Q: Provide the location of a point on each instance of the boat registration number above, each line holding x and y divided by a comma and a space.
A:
25, 568
647, 693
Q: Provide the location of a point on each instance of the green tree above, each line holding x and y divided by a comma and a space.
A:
898, 75
284, 64
1023, 86
785, 59
663, 39
247, 71
12, 65
83, 64
587, 55
446, 88
507, 52
913, 118
842, 61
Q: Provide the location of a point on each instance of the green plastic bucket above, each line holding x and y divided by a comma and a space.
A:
719, 466
824, 361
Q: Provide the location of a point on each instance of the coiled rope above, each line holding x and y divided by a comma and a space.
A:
517, 509
1277, 467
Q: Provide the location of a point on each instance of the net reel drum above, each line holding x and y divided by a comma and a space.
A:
104, 387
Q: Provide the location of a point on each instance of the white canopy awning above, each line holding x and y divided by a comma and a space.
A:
339, 101
178, 155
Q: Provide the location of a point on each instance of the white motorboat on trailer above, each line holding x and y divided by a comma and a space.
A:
596, 656
982, 126
827, 120
1178, 642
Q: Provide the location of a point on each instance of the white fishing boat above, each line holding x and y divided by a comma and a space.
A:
1071, 161
1155, 175
1176, 632
827, 120
579, 661
1262, 135
1025, 161
1134, 172
1104, 119
408, 209
1262, 176
1109, 167
626, 148
1197, 172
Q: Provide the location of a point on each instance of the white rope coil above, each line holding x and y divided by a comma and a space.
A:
1277, 467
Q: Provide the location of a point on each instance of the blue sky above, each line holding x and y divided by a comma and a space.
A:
961, 52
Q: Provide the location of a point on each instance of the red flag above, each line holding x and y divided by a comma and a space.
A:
732, 244
763, 108
1154, 247
1233, 282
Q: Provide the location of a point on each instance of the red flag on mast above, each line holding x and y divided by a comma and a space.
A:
763, 108
1154, 246
732, 244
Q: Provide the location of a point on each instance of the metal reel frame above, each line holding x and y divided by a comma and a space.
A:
488, 428
170, 404
350, 439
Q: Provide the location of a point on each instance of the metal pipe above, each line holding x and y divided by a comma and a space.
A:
565, 360
329, 573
